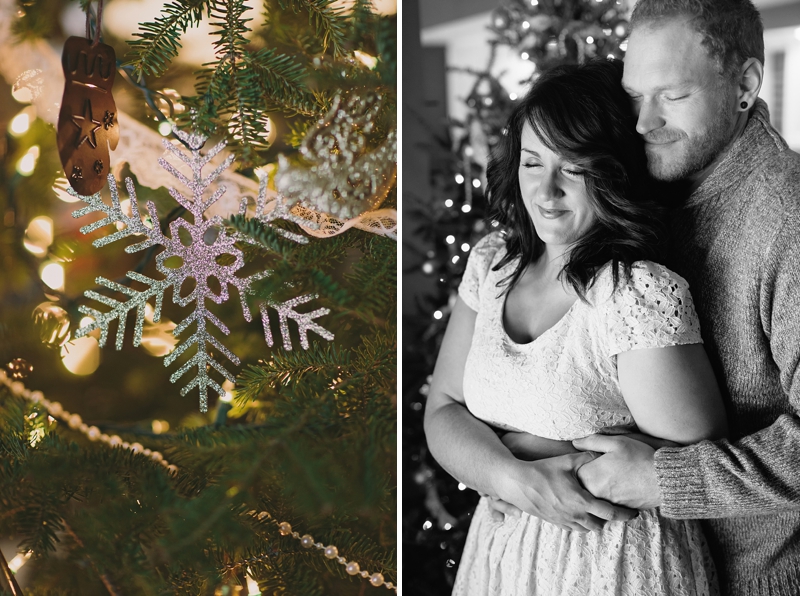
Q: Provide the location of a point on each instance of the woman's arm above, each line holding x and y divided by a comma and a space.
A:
470, 450
463, 445
672, 393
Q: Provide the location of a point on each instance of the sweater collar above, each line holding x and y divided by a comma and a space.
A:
754, 146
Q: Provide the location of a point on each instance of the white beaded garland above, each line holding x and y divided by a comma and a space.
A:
352, 568
56, 411
376, 579
330, 551
74, 421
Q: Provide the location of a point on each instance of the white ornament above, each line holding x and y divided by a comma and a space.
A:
197, 261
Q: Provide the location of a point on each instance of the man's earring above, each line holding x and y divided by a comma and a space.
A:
743, 105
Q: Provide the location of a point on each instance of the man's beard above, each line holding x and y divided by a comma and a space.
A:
695, 154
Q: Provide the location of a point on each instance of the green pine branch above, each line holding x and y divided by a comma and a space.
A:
159, 40
330, 25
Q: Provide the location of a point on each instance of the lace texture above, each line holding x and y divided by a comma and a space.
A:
564, 385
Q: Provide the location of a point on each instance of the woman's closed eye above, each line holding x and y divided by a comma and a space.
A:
573, 172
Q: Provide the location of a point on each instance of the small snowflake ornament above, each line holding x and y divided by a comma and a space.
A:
199, 259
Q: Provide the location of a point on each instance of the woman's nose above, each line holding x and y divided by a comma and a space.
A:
549, 187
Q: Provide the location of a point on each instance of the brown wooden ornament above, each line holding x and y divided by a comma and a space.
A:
87, 122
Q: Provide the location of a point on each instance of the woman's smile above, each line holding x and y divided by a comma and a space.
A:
552, 213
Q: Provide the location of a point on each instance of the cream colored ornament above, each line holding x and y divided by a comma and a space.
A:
346, 177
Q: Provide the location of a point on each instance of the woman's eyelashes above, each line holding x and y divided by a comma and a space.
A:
569, 171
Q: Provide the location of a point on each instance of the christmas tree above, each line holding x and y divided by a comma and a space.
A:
543, 34
199, 360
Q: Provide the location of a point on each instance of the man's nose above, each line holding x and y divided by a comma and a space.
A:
650, 117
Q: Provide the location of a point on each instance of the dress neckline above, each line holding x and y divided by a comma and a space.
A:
500, 316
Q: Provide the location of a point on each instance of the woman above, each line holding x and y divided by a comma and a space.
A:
563, 329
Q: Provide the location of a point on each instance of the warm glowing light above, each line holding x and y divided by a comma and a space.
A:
427, 268
160, 426
158, 339
39, 235
448, 203
524, 55
624, 46
384, 7
252, 586
465, 247
590, 39
455, 259
17, 562
534, 2
52, 275
448, 526
610, 56
20, 124
469, 151
526, 25
427, 525
512, 96
22, 94
437, 314
476, 183
81, 356
462, 486
466, 208
60, 188
165, 128
27, 163
450, 239
365, 59
459, 179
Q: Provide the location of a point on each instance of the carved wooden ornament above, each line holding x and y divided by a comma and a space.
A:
87, 122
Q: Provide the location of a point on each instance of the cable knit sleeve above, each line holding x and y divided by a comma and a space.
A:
758, 473
481, 259
653, 309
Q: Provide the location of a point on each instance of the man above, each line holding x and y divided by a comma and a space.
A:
693, 70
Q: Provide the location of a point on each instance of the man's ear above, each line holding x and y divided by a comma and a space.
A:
751, 75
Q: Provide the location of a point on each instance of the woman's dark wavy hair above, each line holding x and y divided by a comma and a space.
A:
581, 113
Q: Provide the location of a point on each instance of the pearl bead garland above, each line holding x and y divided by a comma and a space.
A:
330, 552
74, 421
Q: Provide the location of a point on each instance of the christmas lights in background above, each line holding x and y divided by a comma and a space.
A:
542, 34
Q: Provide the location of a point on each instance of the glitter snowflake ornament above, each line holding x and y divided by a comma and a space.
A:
197, 253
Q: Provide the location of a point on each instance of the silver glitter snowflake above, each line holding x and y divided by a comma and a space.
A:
196, 259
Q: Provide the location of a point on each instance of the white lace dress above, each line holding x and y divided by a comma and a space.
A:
564, 385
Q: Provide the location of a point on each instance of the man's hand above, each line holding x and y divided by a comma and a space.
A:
549, 489
625, 474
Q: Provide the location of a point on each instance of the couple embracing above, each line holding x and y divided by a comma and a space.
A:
630, 436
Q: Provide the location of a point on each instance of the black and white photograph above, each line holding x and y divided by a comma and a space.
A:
601, 338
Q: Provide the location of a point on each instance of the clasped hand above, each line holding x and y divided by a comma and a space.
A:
549, 489
583, 491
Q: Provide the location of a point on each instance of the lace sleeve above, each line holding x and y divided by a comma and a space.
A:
480, 260
654, 309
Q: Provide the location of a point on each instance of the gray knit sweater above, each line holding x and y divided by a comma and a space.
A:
737, 242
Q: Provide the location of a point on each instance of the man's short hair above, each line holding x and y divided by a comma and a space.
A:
732, 30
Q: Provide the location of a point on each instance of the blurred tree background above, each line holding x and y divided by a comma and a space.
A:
111, 481
444, 223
